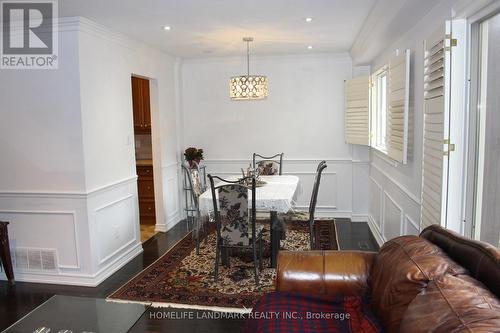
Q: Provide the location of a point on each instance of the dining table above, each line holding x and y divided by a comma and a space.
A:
275, 194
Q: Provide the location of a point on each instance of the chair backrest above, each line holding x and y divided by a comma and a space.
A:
268, 165
193, 181
314, 195
230, 199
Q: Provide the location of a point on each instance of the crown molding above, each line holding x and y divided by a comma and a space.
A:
84, 25
386, 23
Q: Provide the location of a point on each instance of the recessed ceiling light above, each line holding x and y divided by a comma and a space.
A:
167, 28
309, 19
309, 47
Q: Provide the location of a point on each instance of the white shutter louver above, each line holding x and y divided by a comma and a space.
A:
435, 129
398, 107
357, 111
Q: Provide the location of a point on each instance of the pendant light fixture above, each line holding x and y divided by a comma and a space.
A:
248, 87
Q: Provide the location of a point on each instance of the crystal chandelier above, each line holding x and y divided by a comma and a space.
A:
247, 87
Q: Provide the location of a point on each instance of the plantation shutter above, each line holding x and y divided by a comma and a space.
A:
436, 129
357, 111
398, 107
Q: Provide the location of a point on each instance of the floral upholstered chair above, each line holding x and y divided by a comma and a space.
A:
268, 166
295, 216
235, 222
233, 210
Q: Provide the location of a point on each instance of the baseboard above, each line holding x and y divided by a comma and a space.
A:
375, 232
172, 222
110, 269
341, 214
359, 217
72, 279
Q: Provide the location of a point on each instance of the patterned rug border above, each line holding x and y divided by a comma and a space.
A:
174, 305
189, 234
164, 305
336, 234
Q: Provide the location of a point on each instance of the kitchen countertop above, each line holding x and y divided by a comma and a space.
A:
144, 162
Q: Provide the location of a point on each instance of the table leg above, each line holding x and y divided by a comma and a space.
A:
225, 257
275, 238
5, 253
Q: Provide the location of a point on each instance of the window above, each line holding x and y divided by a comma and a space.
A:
379, 110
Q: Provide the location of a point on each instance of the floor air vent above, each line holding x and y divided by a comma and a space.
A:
35, 259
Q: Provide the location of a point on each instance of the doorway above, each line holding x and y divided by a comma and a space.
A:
141, 103
484, 146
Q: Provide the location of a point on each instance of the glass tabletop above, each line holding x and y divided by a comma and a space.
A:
68, 314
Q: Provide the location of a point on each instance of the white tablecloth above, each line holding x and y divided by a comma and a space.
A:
278, 194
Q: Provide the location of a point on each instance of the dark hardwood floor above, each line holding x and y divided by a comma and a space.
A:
17, 301
355, 236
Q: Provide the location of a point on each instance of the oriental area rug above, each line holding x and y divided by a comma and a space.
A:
183, 279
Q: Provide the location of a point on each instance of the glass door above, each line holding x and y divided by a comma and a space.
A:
485, 134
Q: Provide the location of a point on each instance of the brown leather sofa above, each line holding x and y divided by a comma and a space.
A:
438, 282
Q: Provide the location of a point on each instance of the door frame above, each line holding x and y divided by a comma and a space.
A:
473, 75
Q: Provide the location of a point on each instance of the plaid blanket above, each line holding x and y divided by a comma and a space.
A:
294, 313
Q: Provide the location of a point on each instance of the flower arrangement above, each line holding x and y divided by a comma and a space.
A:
192, 155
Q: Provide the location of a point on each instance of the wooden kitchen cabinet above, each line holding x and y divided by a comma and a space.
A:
141, 105
145, 185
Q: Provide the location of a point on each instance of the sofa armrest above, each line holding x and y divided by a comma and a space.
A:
333, 273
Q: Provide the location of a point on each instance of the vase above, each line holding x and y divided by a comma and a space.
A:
194, 163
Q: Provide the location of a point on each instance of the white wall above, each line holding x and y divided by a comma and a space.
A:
42, 176
395, 189
40, 142
68, 181
107, 61
302, 117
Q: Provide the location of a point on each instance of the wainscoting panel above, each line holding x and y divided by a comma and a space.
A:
24, 232
327, 196
394, 210
171, 192
393, 218
115, 226
50, 220
411, 228
376, 204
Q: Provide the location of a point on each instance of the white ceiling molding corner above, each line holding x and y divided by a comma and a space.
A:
386, 23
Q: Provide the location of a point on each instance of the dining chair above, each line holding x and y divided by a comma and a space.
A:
308, 216
235, 222
194, 186
268, 165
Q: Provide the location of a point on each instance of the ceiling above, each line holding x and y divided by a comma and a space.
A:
208, 28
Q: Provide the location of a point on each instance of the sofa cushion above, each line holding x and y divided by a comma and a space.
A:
402, 269
292, 312
453, 304
480, 258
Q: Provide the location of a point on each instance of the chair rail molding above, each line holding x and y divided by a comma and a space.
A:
67, 194
403, 188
